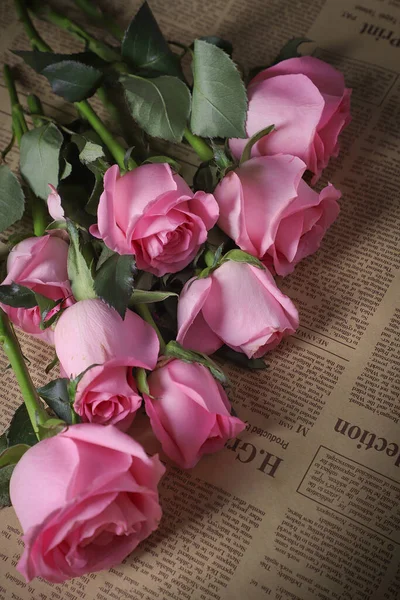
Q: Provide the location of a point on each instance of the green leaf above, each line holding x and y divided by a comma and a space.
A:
11, 455
3, 441
225, 45
5, 476
243, 257
219, 96
114, 281
161, 106
146, 48
290, 49
73, 81
78, 271
46, 305
60, 224
12, 201
246, 154
39, 158
41, 60
17, 296
55, 394
21, 430
175, 350
148, 297
105, 254
89, 151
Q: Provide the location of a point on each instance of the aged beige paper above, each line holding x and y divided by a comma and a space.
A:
305, 504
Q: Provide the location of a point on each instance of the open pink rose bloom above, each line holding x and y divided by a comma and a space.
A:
85, 499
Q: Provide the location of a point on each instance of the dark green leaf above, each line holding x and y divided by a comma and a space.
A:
12, 201
114, 281
148, 297
175, 350
55, 394
21, 430
240, 359
61, 224
78, 271
246, 154
40, 60
3, 441
105, 254
5, 476
46, 305
17, 296
219, 96
205, 178
51, 364
290, 49
243, 257
145, 47
11, 455
225, 45
161, 106
39, 158
73, 81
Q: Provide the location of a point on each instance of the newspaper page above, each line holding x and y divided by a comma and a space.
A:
305, 503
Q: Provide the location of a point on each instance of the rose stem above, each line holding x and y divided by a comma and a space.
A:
36, 110
47, 13
12, 349
145, 313
19, 126
84, 108
99, 19
201, 147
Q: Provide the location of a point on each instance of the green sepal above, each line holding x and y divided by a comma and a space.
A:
12, 454
164, 159
141, 381
5, 476
21, 430
174, 350
242, 257
79, 274
51, 428
12, 200
290, 49
72, 386
148, 297
246, 154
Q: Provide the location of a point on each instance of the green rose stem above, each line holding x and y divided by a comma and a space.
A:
201, 147
55, 17
36, 109
19, 126
145, 313
84, 108
12, 349
96, 16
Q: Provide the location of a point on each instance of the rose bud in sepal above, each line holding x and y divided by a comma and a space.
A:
307, 101
95, 341
189, 411
85, 499
39, 264
269, 210
237, 304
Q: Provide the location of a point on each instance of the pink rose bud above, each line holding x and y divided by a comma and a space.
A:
40, 264
271, 213
154, 215
93, 333
307, 101
238, 305
85, 499
189, 412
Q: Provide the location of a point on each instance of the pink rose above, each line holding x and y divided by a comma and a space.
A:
271, 213
40, 264
54, 206
92, 333
237, 305
153, 214
85, 499
189, 412
307, 101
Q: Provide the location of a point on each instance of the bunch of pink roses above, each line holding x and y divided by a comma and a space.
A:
134, 294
